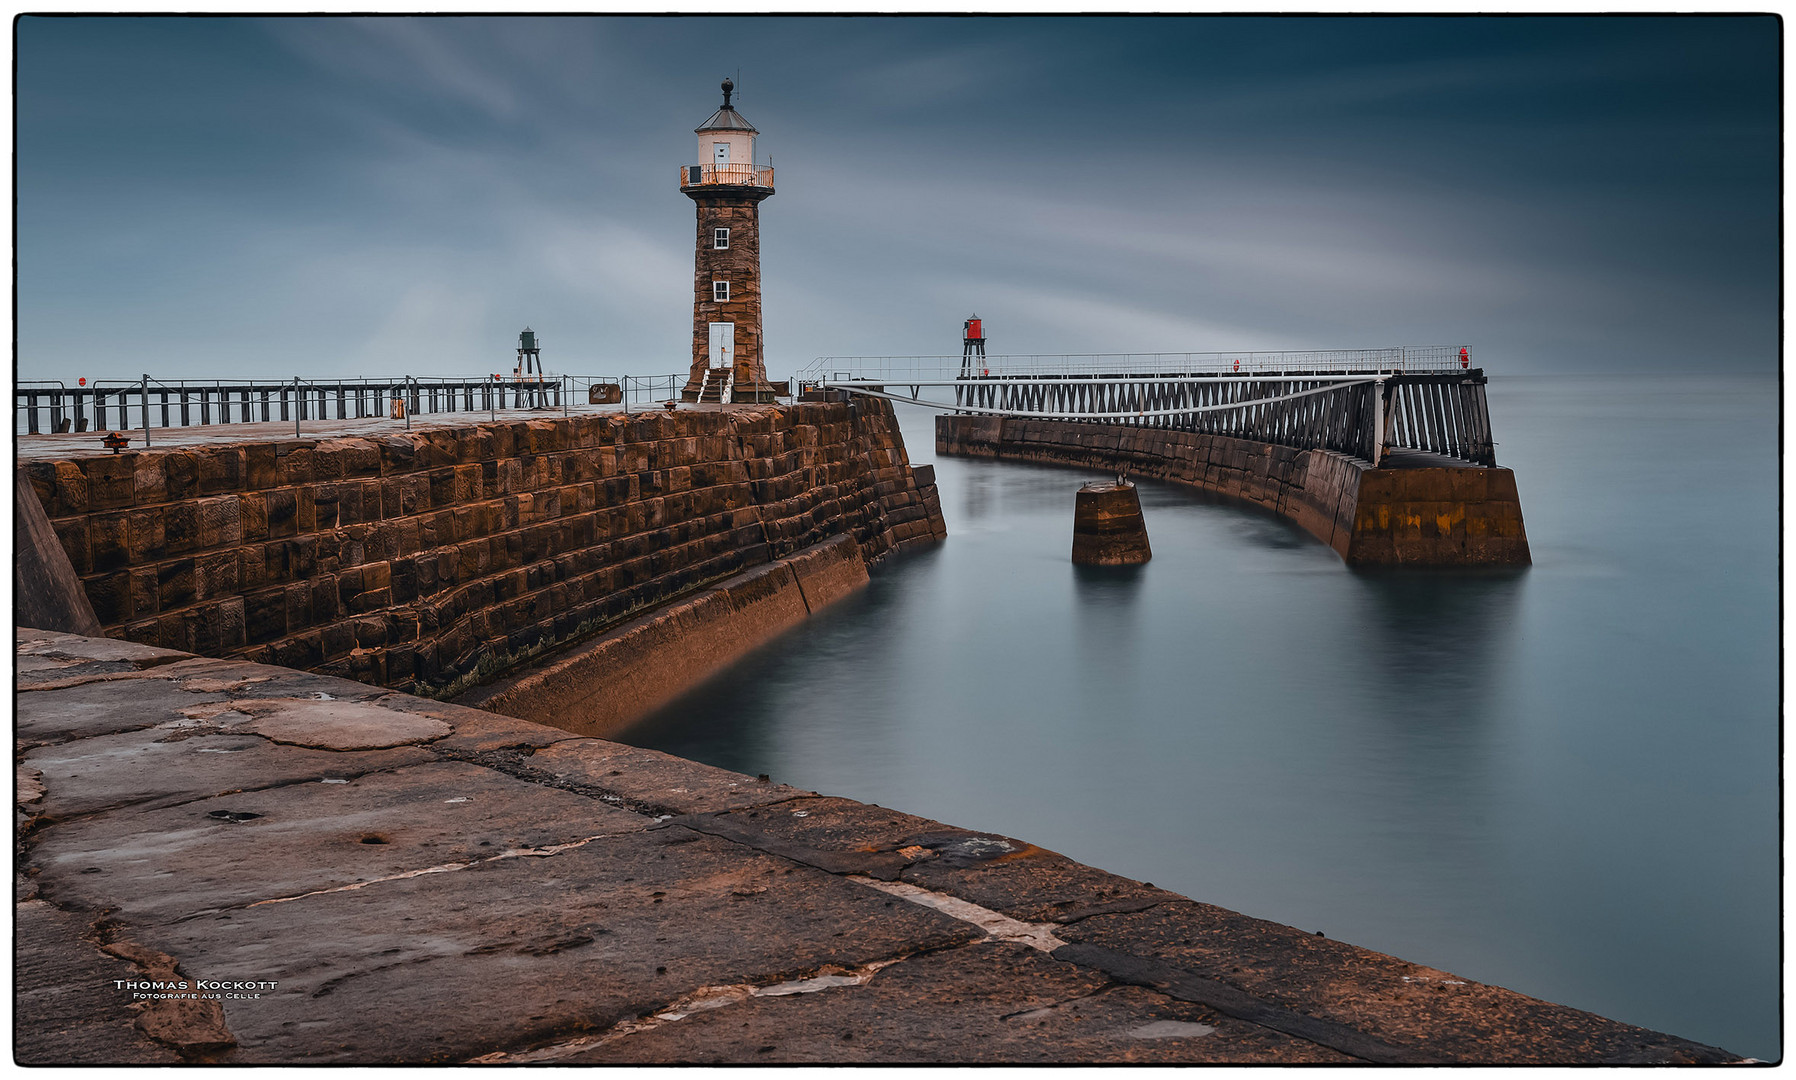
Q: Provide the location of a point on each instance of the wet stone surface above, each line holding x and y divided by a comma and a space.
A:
984, 1004
550, 947
427, 883
101, 708
343, 725
1406, 1005
61, 1012
185, 760
657, 779
233, 850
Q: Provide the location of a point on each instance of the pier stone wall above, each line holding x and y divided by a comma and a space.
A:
437, 558
1428, 515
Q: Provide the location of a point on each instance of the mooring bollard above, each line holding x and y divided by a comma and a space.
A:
1108, 529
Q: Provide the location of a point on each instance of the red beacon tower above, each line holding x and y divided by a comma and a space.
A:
972, 344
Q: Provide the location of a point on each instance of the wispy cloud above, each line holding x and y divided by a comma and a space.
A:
419, 56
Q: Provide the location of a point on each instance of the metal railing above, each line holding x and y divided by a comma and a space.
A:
734, 174
1398, 359
51, 405
1356, 402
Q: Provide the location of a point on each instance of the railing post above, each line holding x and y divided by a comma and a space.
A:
1377, 423
144, 394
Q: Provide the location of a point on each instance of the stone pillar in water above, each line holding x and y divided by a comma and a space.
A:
1108, 529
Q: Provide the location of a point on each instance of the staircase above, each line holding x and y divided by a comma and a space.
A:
718, 381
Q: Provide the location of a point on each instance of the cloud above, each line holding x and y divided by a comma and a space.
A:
430, 319
419, 56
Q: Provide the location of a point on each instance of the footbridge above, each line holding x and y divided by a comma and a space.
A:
1385, 454
1357, 402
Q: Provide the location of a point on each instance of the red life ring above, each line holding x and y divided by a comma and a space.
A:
1237, 365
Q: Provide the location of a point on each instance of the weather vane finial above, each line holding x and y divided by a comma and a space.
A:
728, 86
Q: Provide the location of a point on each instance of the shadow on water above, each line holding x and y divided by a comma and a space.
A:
742, 716
1449, 624
1439, 659
1107, 615
1108, 585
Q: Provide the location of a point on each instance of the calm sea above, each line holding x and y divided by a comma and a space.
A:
1563, 780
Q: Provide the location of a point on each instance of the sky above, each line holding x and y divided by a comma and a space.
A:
340, 197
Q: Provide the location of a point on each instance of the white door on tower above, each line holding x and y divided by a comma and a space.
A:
723, 344
720, 153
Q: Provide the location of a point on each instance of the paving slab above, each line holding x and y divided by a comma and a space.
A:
343, 725
100, 708
184, 760
1030, 883
473, 731
33, 642
531, 951
242, 679
654, 779
1445, 1018
233, 850
1004, 1004
66, 1009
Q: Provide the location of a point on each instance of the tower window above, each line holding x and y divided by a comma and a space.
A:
720, 239
720, 291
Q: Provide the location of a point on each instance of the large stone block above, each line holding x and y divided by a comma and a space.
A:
221, 469
110, 596
149, 484
111, 481
217, 574
283, 511
109, 540
265, 616
261, 466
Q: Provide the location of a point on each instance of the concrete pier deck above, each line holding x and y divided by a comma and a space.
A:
346, 874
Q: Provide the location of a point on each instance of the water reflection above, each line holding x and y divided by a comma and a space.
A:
1107, 627
1452, 630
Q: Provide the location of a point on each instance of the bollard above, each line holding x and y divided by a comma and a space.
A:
1108, 529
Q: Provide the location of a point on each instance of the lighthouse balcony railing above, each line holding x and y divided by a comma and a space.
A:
731, 174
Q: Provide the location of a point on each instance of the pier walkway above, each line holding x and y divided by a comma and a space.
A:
346, 874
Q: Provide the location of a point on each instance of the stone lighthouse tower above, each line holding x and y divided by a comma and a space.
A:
728, 187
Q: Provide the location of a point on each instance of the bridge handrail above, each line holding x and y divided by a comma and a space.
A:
1399, 359
44, 405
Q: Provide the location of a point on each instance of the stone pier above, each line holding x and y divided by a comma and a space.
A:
442, 557
1417, 509
319, 871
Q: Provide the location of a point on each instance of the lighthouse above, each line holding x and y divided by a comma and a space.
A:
727, 187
